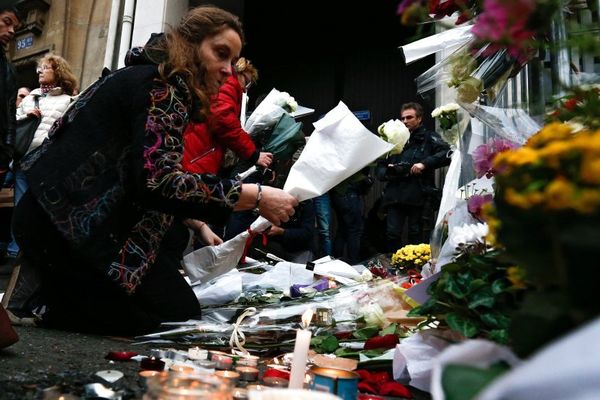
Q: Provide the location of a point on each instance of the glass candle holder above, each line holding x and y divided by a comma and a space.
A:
248, 374
177, 386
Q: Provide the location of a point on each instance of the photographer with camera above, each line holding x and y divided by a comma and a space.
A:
410, 178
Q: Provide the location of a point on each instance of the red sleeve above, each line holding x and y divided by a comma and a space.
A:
224, 121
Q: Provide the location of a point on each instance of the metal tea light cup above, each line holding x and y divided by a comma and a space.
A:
323, 316
335, 381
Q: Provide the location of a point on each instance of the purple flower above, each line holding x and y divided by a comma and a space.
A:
476, 202
484, 155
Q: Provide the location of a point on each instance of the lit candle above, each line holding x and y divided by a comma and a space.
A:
152, 363
182, 368
196, 353
229, 376
249, 374
248, 361
222, 361
301, 352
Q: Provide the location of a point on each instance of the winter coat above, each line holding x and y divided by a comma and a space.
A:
205, 143
423, 146
53, 104
8, 95
109, 176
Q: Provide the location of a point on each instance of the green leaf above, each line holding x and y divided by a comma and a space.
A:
462, 382
454, 288
495, 320
499, 336
324, 343
482, 298
389, 330
500, 285
462, 325
366, 333
477, 283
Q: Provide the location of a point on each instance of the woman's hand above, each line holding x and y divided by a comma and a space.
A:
36, 111
207, 236
264, 159
276, 205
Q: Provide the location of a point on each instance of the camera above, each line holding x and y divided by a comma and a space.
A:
402, 168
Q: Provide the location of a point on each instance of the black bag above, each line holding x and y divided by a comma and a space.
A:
25, 131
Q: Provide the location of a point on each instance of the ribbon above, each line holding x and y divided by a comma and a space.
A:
251, 235
238, 339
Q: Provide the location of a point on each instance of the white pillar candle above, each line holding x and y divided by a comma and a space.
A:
301, 347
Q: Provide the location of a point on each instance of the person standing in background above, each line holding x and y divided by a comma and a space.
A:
9, 21
57, 85
410, 178
21, 94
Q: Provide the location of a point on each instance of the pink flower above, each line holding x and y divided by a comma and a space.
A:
476, 202
504, 23
484, 154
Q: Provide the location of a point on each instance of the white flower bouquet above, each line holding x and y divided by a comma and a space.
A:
270, 110
447, 116
395, 132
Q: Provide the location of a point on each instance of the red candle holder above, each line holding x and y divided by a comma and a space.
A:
152, 363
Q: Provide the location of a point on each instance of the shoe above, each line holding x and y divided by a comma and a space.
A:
8, 336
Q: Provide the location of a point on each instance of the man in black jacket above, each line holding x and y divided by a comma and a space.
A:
410, 178
9, 21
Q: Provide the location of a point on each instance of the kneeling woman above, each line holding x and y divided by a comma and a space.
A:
107, 186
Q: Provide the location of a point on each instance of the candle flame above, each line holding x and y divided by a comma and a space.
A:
306, 318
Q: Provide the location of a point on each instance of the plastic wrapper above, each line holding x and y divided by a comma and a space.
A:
446, 40
268, 112
472, 72
513, 124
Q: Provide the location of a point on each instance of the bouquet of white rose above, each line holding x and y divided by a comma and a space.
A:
447, 115
395, 132
269, 111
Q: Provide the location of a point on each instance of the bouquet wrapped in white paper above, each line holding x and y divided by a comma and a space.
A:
270, 110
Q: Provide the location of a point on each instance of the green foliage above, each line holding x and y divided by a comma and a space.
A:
324, 343
366, 332
473, 297
462, 382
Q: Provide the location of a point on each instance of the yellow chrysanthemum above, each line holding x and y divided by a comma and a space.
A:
550, 133
590, 170
517, 199
588, 201
516, 276
560, 194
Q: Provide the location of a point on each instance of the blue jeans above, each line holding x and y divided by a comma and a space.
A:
348, 209
21, 187
323, 214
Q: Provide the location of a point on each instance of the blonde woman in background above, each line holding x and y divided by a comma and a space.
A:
56, 91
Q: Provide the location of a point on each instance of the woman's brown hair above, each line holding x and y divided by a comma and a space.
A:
181, 45
63, 75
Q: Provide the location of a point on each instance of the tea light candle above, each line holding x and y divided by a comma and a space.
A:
196, 353
248, 361
249, 374
152, 363
148, 373
230, 376
274, 381
222, 361
239, 394
301, 347
205, 366
256, 387
181, 368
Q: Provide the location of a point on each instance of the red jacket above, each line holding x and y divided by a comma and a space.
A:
204, 144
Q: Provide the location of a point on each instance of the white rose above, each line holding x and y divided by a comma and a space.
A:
396, 133
449, 107
437, 112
